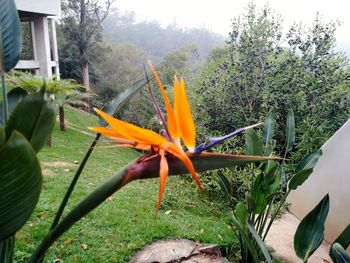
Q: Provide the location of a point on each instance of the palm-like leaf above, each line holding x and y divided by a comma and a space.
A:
20, 184
10, 36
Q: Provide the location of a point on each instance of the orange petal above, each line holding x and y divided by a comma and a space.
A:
163, 174
184, 116
171, 120
132, 132
105, 131
178, 153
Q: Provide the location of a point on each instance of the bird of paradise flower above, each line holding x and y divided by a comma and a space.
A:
178, 128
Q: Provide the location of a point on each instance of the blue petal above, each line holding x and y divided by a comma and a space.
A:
216, 140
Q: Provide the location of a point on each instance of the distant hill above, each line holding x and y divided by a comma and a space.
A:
155, 40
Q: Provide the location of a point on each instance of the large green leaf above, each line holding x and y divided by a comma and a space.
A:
309, 234
258, 196
290, 131
253, 144
343, 239
269, 128
309, 161
20, 184
304, 169
10, 36
14, 96
6, 250
339, 254
117, 103
35, 118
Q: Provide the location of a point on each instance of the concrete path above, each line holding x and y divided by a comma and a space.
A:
281, 237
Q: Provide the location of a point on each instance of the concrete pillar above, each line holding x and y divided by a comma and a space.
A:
35, 52
54, 48
42, 45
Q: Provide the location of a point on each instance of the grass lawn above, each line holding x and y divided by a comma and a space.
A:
125, 222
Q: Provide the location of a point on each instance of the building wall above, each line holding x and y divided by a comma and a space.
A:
331, 175
48, 7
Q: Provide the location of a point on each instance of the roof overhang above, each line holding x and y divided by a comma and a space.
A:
40, 7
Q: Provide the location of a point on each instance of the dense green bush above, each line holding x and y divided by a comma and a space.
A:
257, 72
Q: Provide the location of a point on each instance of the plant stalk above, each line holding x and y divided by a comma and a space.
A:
5, 101
261, 230
74, 182
275, 215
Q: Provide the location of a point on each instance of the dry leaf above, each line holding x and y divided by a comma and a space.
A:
84, 246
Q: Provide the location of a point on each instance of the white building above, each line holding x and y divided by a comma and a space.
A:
41, 16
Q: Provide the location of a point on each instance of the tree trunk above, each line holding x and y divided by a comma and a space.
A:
61, 115
86, 80
49, 141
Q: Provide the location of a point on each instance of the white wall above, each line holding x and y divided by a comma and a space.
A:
331, 175
49, 7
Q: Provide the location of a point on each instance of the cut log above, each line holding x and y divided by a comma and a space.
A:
179, 250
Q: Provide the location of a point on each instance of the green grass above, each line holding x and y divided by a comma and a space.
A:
125, 222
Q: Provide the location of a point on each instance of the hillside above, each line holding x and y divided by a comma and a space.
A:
155, 40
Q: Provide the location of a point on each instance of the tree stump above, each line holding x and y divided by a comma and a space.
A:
179, 250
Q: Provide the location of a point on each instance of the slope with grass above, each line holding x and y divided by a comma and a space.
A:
125, 222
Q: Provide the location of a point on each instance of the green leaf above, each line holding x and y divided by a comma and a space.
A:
273, 186
10, 36
299, 178
270, 171
225, 185
253, 144
14, 97
117, 103
2, 137
269, 128
260, 243
339, 254
6, 250
290, 131
304, 169
35, 118
309, 161
206, 161
258, 195
343, 239
309, 234
20, 184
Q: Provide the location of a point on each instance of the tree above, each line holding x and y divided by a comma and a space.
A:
83, 19
231, 89
121, 67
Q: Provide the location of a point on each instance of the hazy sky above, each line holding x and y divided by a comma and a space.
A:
217, 14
